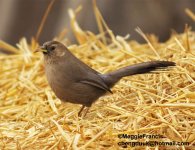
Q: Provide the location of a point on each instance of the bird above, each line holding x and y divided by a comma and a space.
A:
74, 81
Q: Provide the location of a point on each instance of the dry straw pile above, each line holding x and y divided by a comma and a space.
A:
31, 117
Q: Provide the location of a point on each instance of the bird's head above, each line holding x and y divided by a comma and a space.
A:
52, 48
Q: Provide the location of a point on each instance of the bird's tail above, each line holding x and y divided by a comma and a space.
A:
141, 68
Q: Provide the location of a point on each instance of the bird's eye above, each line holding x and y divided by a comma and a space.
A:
51, 48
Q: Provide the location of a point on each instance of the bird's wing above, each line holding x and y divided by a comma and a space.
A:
99, 83
87, 75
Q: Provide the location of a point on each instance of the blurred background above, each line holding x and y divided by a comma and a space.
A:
21, 18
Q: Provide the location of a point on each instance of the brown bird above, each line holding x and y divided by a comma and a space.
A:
75, 82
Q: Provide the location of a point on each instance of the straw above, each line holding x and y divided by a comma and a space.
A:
162, 102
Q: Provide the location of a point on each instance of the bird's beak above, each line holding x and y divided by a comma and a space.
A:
40, 49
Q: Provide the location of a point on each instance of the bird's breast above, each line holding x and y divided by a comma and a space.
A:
58, 80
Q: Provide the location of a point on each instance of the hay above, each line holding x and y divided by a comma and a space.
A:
31, 117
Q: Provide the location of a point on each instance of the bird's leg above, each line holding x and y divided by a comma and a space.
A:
79, 113
81, 110
86, 111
